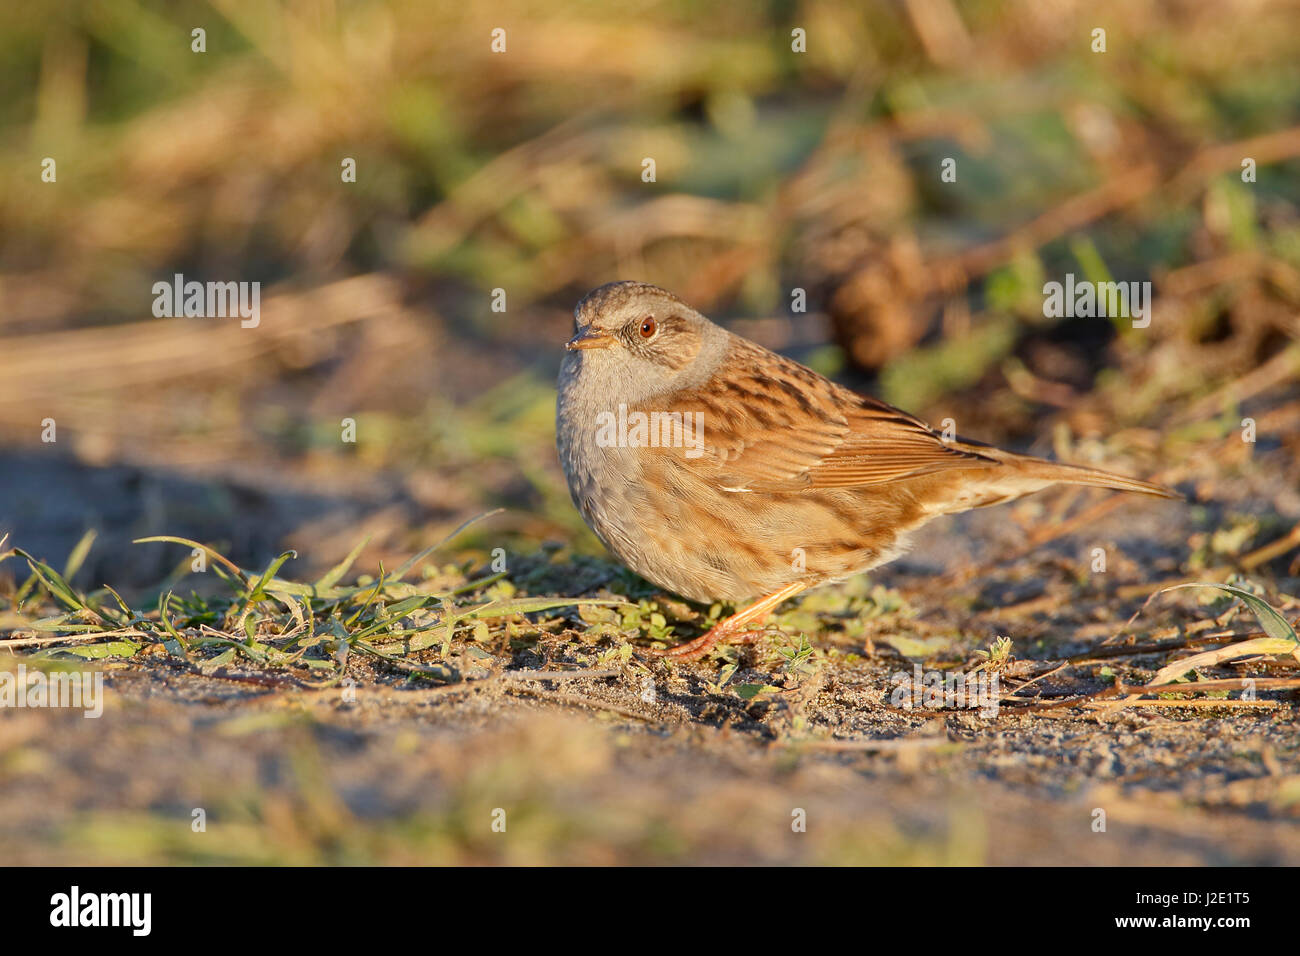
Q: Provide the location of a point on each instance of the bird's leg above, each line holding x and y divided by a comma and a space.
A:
734, 629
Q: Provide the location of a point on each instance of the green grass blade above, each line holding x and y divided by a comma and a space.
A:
258, 590
529, 605
215, 555
405, 569
78, 556
54, 583
335, 574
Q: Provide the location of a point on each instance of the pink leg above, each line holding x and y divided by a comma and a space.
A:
735, 629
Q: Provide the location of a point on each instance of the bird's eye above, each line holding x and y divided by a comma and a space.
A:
648, 327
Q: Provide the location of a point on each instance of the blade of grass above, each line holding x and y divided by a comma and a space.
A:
1281, 637
78, 556
215, 555
53, 582
334, 574
175, 636
1270, 619
528, 605
129, 614
405, 568
259, 589
1259, 645
374, 593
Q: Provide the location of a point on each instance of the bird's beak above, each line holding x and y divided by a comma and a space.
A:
590, 338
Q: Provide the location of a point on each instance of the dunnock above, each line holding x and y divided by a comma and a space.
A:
722, 471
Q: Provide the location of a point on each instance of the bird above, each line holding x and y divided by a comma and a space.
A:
722, 471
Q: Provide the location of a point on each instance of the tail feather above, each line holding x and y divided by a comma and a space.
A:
1045, 473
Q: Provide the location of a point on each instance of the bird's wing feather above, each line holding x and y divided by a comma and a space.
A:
773, 425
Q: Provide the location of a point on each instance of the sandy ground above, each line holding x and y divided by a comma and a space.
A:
661, 763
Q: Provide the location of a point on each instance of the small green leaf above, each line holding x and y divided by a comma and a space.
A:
221, 660
94, 651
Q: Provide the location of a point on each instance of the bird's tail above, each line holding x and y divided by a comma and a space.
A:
1005, 476
1040, 472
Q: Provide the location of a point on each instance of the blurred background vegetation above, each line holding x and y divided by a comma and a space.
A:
522, 170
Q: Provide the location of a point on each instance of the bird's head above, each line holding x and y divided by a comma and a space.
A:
640, 340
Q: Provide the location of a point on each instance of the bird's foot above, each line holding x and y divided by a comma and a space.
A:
697, 648
737, 629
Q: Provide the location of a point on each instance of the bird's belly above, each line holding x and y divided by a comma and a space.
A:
686, 535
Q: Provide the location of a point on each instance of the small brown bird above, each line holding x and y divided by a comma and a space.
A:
722, 471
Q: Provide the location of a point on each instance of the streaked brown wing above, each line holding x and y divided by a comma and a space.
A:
770, 424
